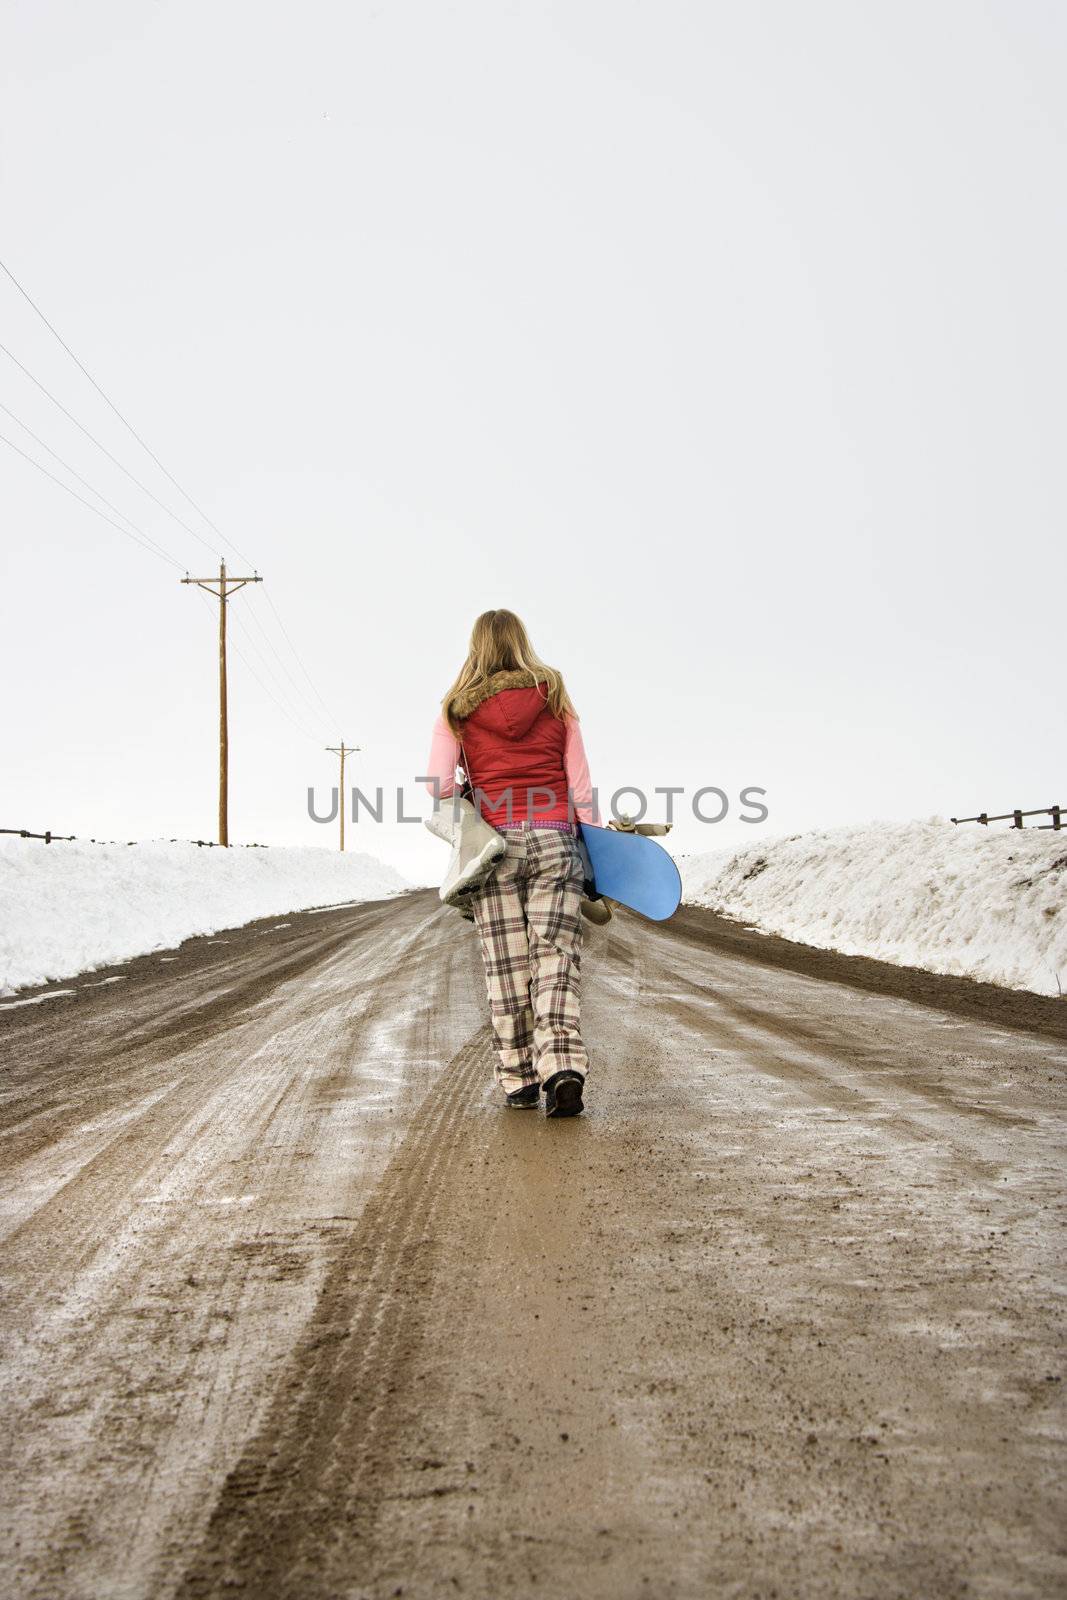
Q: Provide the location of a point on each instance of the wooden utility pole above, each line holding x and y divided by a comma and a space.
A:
222, 588
342, 750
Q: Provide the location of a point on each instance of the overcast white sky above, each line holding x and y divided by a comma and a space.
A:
725, 343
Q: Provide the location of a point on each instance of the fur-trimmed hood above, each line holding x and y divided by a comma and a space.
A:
513, 716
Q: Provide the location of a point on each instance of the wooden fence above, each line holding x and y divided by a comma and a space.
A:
68, 838
1016, 817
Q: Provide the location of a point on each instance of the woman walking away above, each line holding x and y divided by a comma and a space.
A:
508, 721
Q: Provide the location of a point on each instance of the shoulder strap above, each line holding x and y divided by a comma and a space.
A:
468, 781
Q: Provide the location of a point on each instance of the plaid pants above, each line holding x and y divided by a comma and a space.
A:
530, 926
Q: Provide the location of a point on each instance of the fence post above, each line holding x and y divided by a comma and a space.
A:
1017, 819
1055, 816
984, 820
48, 836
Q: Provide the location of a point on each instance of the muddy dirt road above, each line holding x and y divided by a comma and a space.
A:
292, 1307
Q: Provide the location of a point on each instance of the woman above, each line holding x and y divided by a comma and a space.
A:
508, 721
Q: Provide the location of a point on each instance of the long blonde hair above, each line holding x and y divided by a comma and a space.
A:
500, 643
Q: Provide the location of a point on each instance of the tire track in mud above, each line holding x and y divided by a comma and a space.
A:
305, 1480
159, 1308
97, 1193
705, 931
89, 1069
843, 1059
822, 1073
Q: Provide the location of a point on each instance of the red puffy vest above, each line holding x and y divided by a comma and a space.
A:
512, 741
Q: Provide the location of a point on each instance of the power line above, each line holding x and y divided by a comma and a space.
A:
334, 723
145, 490
286, 713
303, 699
112, 458
267, 690
303, 732
85, 484
126, 424
149, 542
297, 710
145, 542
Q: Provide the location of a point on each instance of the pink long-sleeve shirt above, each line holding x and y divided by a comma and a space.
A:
445, 757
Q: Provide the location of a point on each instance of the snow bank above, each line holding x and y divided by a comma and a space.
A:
65, 908
978, 903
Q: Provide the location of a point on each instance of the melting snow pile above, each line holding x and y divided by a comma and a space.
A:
988, 904
65, 908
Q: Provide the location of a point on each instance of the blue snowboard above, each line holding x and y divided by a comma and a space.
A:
634, 870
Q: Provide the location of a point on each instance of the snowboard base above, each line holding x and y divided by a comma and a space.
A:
634, 870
